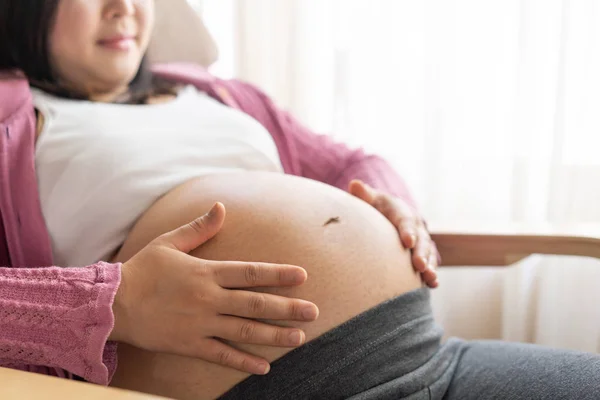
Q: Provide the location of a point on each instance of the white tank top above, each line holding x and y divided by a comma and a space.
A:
100, 166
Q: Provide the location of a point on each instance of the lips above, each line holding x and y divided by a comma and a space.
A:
119, 42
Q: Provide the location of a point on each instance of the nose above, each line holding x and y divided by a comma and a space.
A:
119, 8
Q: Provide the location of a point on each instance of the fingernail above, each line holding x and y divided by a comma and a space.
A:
263, 368
295, 278
213, 211
309, 313
296, 338
413, 238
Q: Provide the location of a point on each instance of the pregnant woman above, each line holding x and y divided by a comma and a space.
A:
124, 157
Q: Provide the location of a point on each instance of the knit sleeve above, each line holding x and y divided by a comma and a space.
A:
57, 321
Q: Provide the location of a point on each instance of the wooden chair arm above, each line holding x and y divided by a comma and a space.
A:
475, 245
17, 385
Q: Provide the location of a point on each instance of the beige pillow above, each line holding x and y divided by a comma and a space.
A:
180, 35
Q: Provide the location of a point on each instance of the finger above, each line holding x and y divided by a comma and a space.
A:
422, 250
408, 235
267, 306
190, 236
430, 278
402, 217
419, 258
395, 209
253, 332
419, 263
233, 274
433, 260
220, 353
361, 190
433, 266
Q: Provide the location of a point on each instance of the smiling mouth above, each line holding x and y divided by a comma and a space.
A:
120, 43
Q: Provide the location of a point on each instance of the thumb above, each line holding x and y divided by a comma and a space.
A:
361, 190
190, 236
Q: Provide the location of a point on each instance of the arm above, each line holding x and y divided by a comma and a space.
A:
59, 318
62, 318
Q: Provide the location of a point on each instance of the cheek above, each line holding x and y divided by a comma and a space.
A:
69, 42
146, 25
67, 53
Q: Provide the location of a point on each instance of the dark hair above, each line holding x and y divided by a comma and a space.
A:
24, 30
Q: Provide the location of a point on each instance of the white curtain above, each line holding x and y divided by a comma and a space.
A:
489, 109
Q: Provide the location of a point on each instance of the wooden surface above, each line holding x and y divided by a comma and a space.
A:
503, 245
18, 385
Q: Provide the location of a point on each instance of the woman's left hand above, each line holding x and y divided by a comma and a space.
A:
411, 228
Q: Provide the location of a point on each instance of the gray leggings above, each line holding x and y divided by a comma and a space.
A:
394, 351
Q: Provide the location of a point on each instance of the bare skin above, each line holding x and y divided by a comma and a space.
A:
353, 263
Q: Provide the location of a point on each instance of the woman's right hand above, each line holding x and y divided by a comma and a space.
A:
171, 302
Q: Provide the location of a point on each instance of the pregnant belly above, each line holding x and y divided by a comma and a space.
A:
352, 254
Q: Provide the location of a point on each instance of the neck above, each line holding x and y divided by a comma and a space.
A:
108, 96
96, 92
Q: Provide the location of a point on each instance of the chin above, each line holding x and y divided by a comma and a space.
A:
119, 77
125, 68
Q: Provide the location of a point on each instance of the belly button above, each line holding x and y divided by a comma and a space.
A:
334, 220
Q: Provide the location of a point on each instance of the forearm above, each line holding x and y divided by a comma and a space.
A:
59, 318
